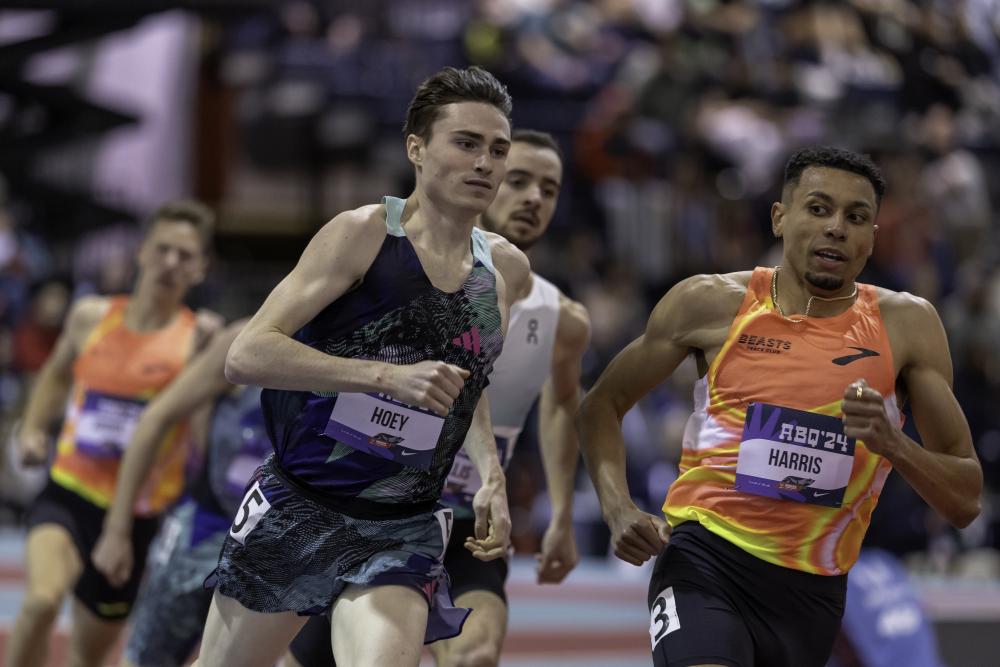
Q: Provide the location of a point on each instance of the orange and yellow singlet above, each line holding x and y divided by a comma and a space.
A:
116, 374
805, 366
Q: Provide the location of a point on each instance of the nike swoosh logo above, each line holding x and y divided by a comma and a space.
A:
406, 453
817, 495
863, 352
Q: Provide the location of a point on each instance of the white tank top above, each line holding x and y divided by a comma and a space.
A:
516, 381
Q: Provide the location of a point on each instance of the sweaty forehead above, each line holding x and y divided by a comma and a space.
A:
839, 184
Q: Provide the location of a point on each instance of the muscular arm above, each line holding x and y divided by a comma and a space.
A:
513, 273
945, 471
51, 390
685, 319
559, 403
490, 502
559, 447
336, 259
266, 355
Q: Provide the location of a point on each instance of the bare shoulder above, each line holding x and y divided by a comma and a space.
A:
574, 321
512, 264
207, 323
914, 327
903, 308
86, 312
356, 223
346, 245
698, 311
710, 296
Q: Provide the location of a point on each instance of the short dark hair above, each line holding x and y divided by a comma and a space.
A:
191, 211
537, 138
834, 158
472, 84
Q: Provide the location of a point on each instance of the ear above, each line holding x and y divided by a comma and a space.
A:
415, 150
777, 218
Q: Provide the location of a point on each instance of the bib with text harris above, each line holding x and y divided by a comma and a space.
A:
379, 425
794, 455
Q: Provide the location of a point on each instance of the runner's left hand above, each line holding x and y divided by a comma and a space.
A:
558, 556
865, 419
492, 520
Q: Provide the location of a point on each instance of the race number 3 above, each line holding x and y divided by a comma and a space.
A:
253, 507
663, 616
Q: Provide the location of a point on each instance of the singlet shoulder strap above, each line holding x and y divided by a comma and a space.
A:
481, 249
393, 215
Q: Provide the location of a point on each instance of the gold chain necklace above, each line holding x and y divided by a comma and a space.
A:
809, 303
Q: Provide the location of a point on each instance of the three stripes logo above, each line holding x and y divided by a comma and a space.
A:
469, 340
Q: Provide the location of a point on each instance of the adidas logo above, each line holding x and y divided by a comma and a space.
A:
469, 340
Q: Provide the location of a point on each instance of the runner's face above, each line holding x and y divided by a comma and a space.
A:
172, 256
463, 163
526, 200
827, 224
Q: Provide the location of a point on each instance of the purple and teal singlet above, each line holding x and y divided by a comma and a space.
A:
395, 316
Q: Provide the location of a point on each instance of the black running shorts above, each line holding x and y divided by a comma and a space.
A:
711, 602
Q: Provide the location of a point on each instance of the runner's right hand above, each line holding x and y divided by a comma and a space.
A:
636, 535
428, 384
32, 446
112, 557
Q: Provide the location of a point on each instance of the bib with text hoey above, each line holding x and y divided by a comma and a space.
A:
379, 425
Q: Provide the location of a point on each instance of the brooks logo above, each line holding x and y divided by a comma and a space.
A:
468, 340
863, 352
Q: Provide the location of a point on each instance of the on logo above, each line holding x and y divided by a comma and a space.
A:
533, 331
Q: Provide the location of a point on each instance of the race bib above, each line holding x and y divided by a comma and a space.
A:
794, 455
463, 481
382, 426
663, 617
252, 510
106, 424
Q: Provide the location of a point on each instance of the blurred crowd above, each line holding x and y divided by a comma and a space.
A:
676, 117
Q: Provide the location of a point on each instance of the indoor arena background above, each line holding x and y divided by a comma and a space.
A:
675, 117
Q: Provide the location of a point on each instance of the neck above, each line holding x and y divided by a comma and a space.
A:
150, 308
444, 229
794, 296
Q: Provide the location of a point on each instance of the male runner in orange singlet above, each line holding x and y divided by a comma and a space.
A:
796, 426
114, 355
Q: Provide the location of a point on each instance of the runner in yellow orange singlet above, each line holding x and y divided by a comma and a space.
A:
796, 425
115, 354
